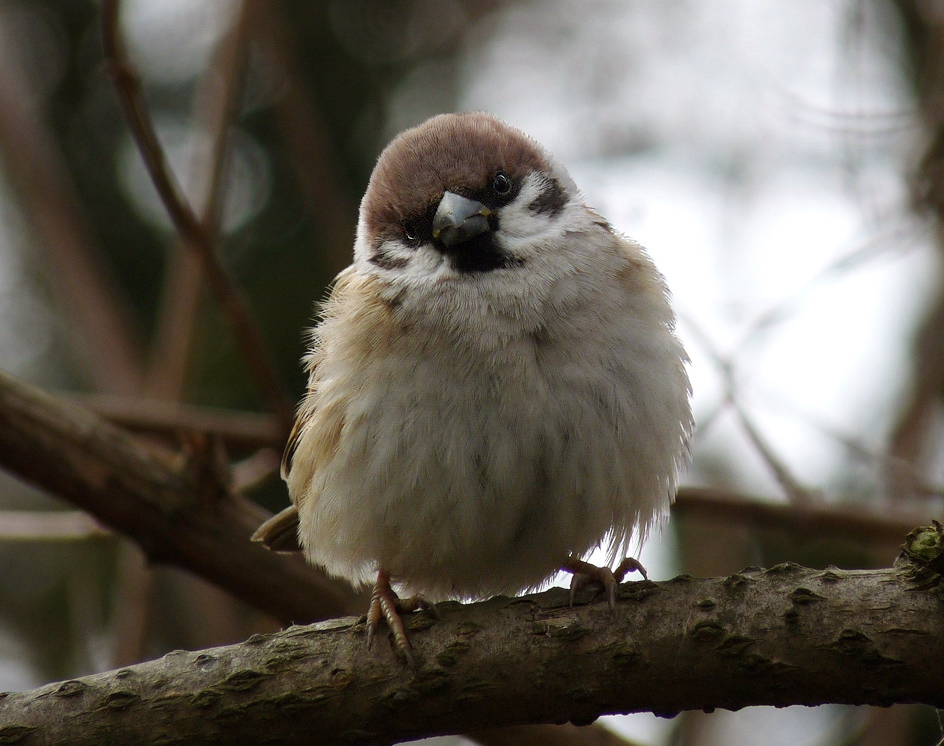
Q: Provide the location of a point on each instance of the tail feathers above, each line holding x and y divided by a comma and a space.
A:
280, 532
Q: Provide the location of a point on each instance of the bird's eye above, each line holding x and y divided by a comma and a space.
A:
410, 231
501, 184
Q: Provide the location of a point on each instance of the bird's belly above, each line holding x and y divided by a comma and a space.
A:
464, 487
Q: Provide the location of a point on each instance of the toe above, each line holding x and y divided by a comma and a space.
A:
628, 565
386, 605
585, 574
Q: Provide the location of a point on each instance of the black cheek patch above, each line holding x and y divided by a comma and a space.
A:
551, 200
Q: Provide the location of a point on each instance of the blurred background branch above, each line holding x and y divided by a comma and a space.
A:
177, 507
196, 232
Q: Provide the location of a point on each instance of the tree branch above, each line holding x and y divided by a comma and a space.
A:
192, 231
855, 522
783, 636
239, 430
217, 99
176, 507
50, 525
68, 253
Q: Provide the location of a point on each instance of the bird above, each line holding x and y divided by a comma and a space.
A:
495, 384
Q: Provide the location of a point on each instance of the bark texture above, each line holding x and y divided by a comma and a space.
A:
782, 636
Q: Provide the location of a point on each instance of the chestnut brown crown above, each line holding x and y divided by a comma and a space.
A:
459, 153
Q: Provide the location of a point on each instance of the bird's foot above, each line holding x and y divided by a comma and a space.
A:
386, 605
585, 574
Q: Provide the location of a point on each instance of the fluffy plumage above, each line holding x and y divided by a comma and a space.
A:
481, 408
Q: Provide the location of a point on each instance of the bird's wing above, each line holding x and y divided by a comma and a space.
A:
290, 446
280, 532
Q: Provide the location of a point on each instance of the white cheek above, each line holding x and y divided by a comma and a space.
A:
407, 267
518, 221
519, 224
526, 234
398, 252
428, 262
362, 250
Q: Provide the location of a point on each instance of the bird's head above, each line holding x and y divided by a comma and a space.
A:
461, 194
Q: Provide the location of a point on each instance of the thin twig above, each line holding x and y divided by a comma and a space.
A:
915, 424
49, 525
844, 520
308, 137
238, 430
247, 332
134, 583
75, 272
897, 470
902, 237
216, 102
798, 493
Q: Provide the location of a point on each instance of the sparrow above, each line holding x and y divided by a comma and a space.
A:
495, 383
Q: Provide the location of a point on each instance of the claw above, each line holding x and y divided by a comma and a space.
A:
585, 574
629, 564
386, 605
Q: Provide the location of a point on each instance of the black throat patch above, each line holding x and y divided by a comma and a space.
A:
480, 254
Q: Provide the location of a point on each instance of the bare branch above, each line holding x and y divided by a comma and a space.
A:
216, 103
167, 503
68, 251
308, 138
239, 430
847, 521
913, 439
783, 636
795, 490
49, 525
185, 220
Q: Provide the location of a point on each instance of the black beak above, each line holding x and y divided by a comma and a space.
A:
458, 219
